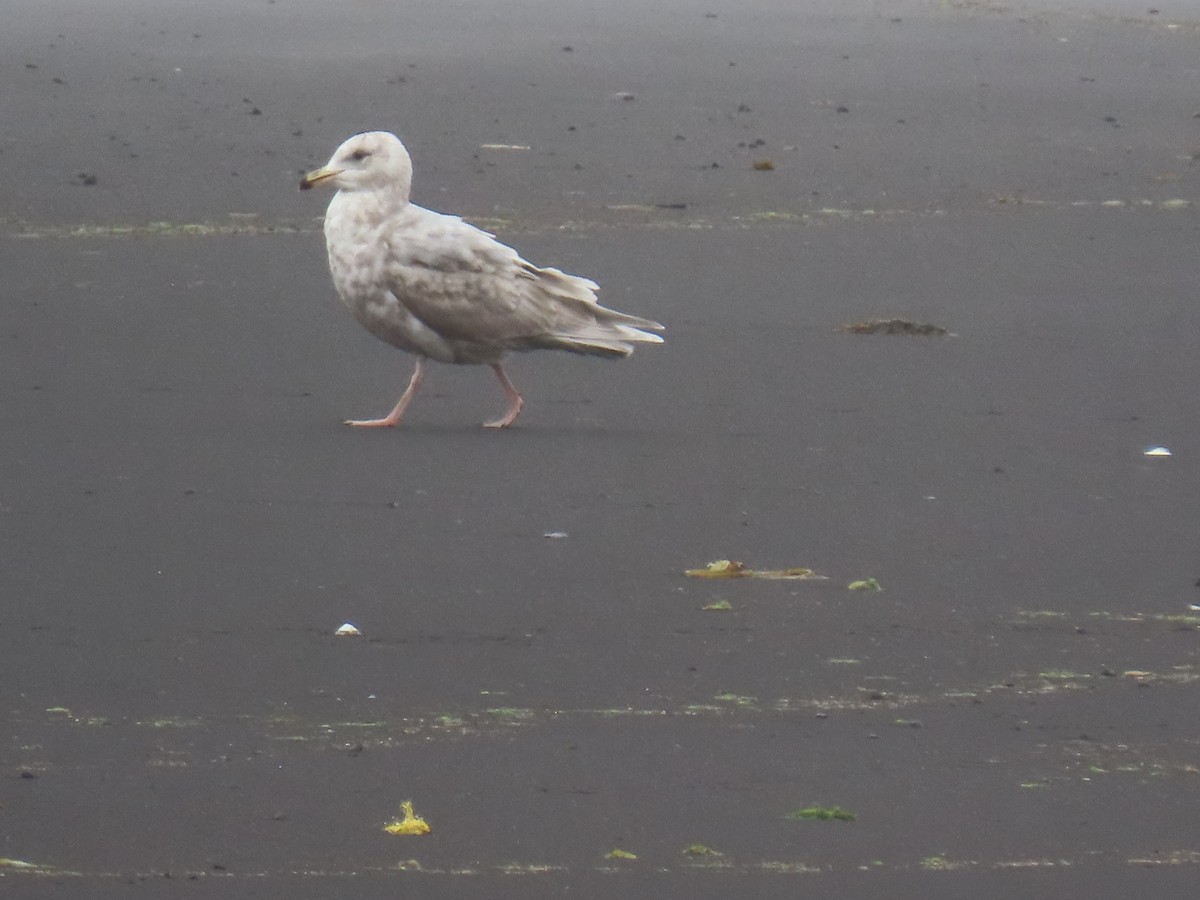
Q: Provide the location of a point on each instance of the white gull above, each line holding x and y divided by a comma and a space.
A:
442, 289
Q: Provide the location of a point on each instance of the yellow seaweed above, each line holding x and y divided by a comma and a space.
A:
865, 584
410, 824
720, 568
796, 573
731, 568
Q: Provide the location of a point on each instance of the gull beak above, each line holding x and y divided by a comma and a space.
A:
316, 176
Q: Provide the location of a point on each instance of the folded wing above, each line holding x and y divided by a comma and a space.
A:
469, 288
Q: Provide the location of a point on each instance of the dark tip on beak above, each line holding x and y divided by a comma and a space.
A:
305, 184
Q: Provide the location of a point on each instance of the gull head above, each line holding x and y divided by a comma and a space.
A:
371, 161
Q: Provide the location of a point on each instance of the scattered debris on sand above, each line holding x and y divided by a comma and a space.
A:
411, 823
821, 814
896, 326
731, 568
865, 584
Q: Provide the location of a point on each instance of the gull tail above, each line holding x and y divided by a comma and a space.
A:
579, 324
611, 334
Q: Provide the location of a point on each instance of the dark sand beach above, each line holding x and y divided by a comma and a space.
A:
184, 522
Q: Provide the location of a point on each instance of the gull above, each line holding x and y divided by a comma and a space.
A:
442, 289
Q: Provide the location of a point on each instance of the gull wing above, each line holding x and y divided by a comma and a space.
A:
468, 287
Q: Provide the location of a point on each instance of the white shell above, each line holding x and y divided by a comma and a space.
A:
348, 629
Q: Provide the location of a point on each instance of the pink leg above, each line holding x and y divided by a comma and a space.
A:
392, 418
515, 401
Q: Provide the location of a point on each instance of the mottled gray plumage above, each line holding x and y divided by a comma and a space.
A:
442, 289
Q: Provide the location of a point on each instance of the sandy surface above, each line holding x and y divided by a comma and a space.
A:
185, 523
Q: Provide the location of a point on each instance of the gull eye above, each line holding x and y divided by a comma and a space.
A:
360, 155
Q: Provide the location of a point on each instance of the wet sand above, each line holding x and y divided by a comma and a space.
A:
185, 521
